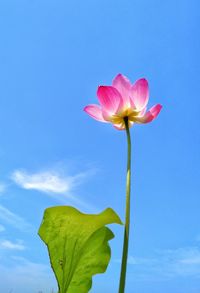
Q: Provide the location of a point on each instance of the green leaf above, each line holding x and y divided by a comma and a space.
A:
77, 244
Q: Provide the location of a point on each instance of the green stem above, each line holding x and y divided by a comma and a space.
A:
127, 217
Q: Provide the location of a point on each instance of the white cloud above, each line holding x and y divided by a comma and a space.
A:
14, 220
6, 244
53, 183
43, 181
50, 181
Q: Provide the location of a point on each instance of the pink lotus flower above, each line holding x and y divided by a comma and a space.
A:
123, 101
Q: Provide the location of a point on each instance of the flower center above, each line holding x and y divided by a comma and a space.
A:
125, 119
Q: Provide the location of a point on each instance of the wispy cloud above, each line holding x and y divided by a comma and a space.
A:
14, 220
140, 260
21, 274
43, 181
2, 228
2, 187
53, 183
182, 261
6, 244
167, 264
137, 261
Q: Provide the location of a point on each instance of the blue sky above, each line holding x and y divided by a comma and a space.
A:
53, 55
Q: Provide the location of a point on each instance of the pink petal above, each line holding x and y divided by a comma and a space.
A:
95, 112
140, 93
110, 99
143, 112
123, 85
119, 126
150, 115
